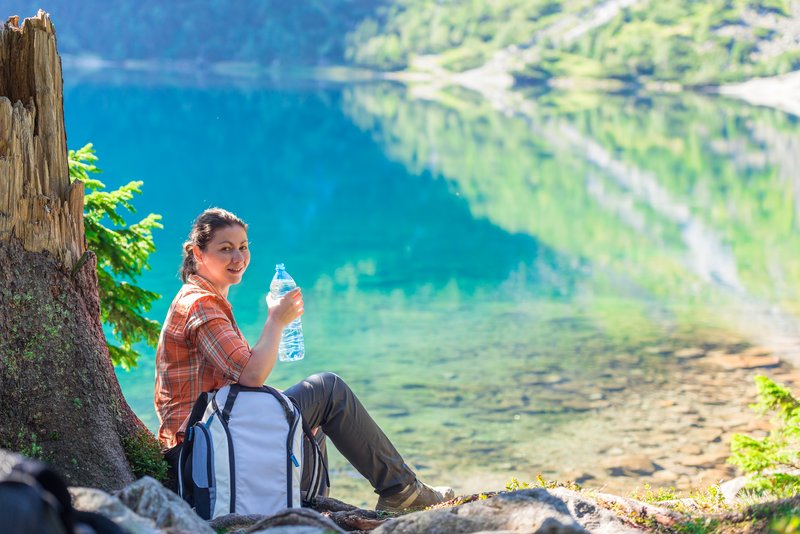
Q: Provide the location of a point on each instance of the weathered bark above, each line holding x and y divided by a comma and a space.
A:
59, 397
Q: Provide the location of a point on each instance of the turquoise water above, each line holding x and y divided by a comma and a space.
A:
475, 274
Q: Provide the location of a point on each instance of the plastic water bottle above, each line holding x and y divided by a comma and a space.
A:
292, 347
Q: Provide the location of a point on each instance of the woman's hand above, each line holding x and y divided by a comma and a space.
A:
286, 309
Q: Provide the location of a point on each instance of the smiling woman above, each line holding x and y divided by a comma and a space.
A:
201, 349
225, 258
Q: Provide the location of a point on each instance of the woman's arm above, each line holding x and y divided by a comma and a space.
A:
265, 351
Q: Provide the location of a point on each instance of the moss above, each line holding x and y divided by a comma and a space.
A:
144, 455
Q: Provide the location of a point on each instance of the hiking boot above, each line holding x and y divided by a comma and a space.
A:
415, 496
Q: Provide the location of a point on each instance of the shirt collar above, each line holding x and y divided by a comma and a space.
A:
199, 281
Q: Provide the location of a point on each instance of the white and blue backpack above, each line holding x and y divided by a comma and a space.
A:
243, 454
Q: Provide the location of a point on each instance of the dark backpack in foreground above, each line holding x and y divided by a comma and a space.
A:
243, 453
34, 500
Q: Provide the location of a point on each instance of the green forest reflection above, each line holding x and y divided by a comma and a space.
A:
684, 200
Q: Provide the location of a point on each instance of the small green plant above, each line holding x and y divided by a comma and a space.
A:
768, 459
122, 252
710, 500
144, 455
787, 524
31, 449
513, 484
651, 496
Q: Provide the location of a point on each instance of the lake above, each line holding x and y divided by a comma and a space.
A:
509, 291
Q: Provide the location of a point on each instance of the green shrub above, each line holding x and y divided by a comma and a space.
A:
767, 459
122, 251
144, 455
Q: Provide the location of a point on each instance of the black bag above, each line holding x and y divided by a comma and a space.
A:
34, 500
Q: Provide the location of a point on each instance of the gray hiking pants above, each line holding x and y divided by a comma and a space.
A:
327, 402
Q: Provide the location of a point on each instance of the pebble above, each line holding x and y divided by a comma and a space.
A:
704, 460
691, 449
689, 353
741, 361
664, 476
634, 464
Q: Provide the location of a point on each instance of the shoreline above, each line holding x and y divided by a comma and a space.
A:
496, 84
658, 434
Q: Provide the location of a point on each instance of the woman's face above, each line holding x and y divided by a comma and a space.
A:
225, 258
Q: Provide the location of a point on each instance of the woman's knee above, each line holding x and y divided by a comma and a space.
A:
331, 383
326, 378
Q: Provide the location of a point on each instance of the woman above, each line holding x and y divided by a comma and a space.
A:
202, 349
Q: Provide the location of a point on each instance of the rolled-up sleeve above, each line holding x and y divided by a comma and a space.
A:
217, 340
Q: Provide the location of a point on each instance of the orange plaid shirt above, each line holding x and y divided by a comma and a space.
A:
200, 349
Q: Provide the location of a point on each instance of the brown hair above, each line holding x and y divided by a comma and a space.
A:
205, 226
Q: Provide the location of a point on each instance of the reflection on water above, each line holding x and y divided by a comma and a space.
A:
683, 197
493, 284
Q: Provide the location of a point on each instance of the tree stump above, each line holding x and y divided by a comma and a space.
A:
60, 400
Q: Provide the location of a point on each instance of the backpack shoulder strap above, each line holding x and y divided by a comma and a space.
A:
198, 409
233, 392
320, 467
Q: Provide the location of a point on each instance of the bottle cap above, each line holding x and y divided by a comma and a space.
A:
280, 267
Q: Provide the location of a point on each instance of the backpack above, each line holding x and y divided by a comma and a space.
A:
34, 500
243, 453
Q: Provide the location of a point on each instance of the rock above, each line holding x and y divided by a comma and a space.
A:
704, 460
691, 449
95, 500
589, 515
665, 476
689, 353
531, 510
297, 529
8, 460
577, 476
149, 498
731, 488
757, 351
743, 361
630, 465
235, 522
706, 435
295, 521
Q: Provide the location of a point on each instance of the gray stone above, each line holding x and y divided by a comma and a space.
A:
296, 521
731, 488
531, 510
8, 460
235, 522
689, 353
149, 498
301, 529
630, 465
95, 500
590, 516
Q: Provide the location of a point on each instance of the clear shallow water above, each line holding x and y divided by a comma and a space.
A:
482, 279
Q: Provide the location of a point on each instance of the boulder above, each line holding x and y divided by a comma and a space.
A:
149, 498
590, 516
531, 510
98, 501
295, 521
8, 460
235, 522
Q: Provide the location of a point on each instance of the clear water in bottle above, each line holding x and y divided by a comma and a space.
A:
292, 347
